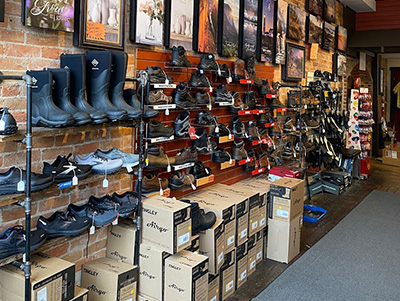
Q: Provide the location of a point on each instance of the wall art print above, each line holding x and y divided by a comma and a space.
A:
330, 10
280, 31
181, 23
50, 14
148, 22
266, 28
315, 7
295, 62
296, 23
341, 38
230, 27
315, 27
250, 18
329, 34
207, 33
101, 24
339, 64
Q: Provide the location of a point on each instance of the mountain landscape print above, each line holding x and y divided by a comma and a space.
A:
230, 31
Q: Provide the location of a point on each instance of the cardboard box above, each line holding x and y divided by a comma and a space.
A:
121, 243
186, 277
260, 246
51, 279
343, 176
242, 264
144, 298
251, 254
284, 239
81, 294
278, 172
212, 245
213, 288
391, 156
166, 224
151, 271
194, 244
228, 275
106, 278
287, 199
223, 210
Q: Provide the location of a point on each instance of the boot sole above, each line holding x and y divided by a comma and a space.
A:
174, 186
69, 177
99, 121
67, 233
40, 121
12, 129
12, 189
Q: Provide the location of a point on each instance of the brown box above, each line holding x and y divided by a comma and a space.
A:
228, 275
51, 279
287, 199
81, 294
166, 224
242, 264
186, 277
151, 271
212, 245
213, 287
284, 239
251, 254
106, 278
194, 244
260, 247
121, 243
144, 298
223, 210
391, 156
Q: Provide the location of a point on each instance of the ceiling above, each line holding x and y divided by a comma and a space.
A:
391, 55
360, 6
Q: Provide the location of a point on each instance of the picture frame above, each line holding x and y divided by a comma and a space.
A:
315, 7
92, 30
296, 28
381, 81
341, 38
329, 37
266, 21
228, 34
339, 66
146, 24
249, 27
206, 26
178, 23
330, 10
295, 62
280, 30
314, 30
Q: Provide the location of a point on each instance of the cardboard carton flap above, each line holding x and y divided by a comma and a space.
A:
168, 204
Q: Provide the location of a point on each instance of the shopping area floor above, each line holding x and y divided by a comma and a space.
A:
384, 178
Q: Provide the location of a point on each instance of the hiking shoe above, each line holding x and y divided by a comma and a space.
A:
201, 221
179, 58
130, 96
238, 104
225, 72
264, 118
61, 224
318, 73
205, 118
203, 98
107, 203
183, 99
238, 151
157, 97
221, 94
97, 217
100, 164
239, 70
157, 129
128, 159
311, 123
12, 241
264, 88
251, 71
186, 155
158, 76
152, 183
64, 170
287, 151
253, 134
220, 130
9, 124
128, 199
288, 126
238, 128
207, 62
179, 180
199, 80
250, 100
199, 170
157, 158
182, 125
276, 104
220, 155
203, 144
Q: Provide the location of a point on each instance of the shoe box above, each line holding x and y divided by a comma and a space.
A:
342, 176
391, 156
145, 298
242, 264
260, 246
194, 244
223, 210
213, 287
186, 277
251, 254
212, 245
121, 243
81, 294
284, 239
166, 224
106, 278
277, 172
332, 188
315, 187
287, 199
228, 275
51, 279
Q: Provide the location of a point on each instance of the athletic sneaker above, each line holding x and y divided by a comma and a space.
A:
97, 217
64, 170
100, 164
107, 203
61, 224
114, 154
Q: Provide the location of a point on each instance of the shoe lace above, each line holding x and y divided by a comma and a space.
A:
96, 156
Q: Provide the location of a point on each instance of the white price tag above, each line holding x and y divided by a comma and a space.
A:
129, 168
166, 111
75, 180
2, 125
105, 183
115, 222
92, 230
21, 186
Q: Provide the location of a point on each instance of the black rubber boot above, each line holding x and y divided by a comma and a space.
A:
117, 82
44, 111
98, 66
61, 95
77, 64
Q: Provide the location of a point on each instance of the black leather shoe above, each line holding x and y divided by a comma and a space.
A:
318, 73
222, 94
10, 125
263, 118
220, 130
44, 111
61, 224
225, 72
203, 98
250, 99
157, 129
199, 80
131, 99
182, 98
64, 170
207, 62
181, 124
276, 104
107, 203
291, 100
328, 76
201, 221
238, 128
158, 76
264, 88
179, 58
206, 118
199, 170
203, 144
128, 199
220, 155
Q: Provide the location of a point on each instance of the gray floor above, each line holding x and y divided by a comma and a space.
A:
358, 260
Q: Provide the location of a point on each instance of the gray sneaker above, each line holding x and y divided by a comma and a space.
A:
114, 154
100, 164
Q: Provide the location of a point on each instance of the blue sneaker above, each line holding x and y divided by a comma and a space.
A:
98, 217
114, 154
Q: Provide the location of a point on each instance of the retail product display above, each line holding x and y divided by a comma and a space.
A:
62, 169
99, 164
61, 224
179, 58
8, 125
128, 159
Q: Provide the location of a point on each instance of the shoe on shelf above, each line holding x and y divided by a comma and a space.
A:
98, 218
179, 58
183, 99
207, 62
203, 97
100, 164
276, 104
199, 80
157, 129
288, 126
250, 63
238, 151
12, 240
179, 180
130, 96
128, 159
158, 76
287, 151
253, 133
63, 224
238, 104
311, 123
63, 170
107, 203
250, 166
182, 125
199, 170
220, 155
201, 221
10, 125
225, 72
220, 130
264, 118
157, 158
205, 117
264, 88
238, 128
9, 181
157, 97
128, 199
222, 94
186, 155
239, 70
293, 99
203, 144
318, 73
152, 183
250, 100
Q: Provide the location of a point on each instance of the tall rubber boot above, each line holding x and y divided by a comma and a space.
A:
76, 63
61, 95
44, 111
98, 67
119, 64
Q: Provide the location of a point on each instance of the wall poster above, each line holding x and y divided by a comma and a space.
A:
206, 22
230, 27
179, 25
296, 23
249, 45
266, 31
314, 30
280, 31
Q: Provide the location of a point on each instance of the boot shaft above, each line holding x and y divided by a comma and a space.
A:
98, 67
119, 65
61, 84
76, 63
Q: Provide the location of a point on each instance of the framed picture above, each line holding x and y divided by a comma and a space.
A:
296, 23
228, 42
315, 7
281, 12
205, 26
265, 46
39, 14
381, 82
314, 30
341, 38
179, 23
339, 64
248, 36
295, 62
147, 22
329, 34
330, 10
100, 24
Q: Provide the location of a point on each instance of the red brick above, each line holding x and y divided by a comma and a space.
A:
78, 242
58, 250
11, 36
54, 204
7, 147
22, 51
13, 90
107, 190
86, 148
37, 64
72, 256
52, 53
97, 246
42, 40
41, 142
13, 8
13, 212
13, 64
68, 139
19, 158
52, 153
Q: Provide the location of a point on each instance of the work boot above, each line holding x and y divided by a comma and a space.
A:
264, 88
238, 150
250, 99
179, 58
117, 83
222, 94
157, 97
253, 131
289, 127
61, 95
251, 71
239, 70
203, 98
199, 80
44, 111
276, 104
238, 104
130, 96
183, 99
201, 221
77, 64
202, 143
207, 62
238, 128
98, 66
158, 75
181, 125
292, 100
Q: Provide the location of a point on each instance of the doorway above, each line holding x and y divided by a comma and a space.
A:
395, 110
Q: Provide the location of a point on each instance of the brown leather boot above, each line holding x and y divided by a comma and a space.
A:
152, 183
238, 104
157, 158
239, 153
239, 70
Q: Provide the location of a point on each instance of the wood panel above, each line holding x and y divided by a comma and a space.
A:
386, 17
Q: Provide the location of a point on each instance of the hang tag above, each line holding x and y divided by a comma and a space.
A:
129, 168
147, 161
207, 172
192, 133
161, 192
105, 183
2, 125
219, 72
209, 107
269, 166
167, 81
21, 186
245, 134
169, 168
193, 187
211, 89
217, 129
230, 161
230, 79
75, 180
92, 230
167, 111
230, 136
115, 222
294, 154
